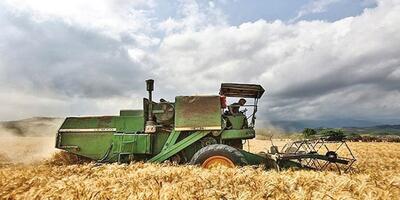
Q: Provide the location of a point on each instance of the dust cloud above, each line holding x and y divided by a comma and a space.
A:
28, 141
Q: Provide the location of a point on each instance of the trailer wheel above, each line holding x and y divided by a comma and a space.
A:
218, 154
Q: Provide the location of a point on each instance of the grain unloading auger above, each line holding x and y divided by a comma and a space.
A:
200, 130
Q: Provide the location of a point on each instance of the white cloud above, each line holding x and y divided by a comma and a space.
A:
16, 105
110, 17
316, 6
211, 4
80, 55
192, 17
301, 64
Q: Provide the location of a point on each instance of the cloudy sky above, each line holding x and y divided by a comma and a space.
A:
321, 59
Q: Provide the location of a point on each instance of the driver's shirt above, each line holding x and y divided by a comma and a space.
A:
234, 108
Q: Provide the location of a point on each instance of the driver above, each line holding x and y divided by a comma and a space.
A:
234, 108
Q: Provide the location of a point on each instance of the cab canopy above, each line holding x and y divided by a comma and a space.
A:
241, 90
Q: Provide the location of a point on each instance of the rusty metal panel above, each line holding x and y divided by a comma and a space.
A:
241, 90
197, 113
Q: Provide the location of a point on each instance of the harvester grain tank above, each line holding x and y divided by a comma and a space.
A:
198, 130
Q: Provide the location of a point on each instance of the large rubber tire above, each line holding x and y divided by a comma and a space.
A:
223, 150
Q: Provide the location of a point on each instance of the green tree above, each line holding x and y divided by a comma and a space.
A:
333, 134
309, 132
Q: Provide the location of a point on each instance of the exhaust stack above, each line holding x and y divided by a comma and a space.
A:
150, 124
150, 88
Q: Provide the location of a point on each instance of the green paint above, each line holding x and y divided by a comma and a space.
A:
132, 143
237, 121
89, 122
192, 138
159, 141
131, 113
91, 145
93, 135
253, 159
120, 123
238, 134
171, 139
129, 124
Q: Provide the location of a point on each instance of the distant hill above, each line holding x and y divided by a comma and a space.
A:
374, 130
298, 125
348, 126
36, 126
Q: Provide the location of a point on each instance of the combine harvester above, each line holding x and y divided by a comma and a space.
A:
199, 130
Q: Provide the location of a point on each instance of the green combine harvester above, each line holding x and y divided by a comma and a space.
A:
199, 130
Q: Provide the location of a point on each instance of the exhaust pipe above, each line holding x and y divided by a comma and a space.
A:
150, 124
150, 88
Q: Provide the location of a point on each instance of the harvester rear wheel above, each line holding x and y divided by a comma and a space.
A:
218, 154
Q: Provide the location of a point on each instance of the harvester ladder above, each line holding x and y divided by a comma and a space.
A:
123, 143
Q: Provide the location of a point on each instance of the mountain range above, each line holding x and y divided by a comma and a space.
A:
391, 126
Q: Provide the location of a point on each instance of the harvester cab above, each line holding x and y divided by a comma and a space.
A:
234, 118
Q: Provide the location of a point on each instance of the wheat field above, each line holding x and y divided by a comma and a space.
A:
376, 176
